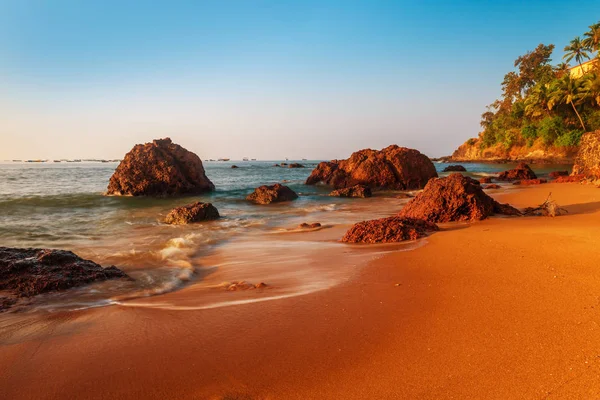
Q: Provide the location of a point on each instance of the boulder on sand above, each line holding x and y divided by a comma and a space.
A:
29, 272
160, 168
388, 230
394, 167
191, 213
556, 174
587, 161
354, 191
455, 168
454, 198
522, 171
272, 194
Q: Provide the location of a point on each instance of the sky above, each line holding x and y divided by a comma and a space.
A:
261, 79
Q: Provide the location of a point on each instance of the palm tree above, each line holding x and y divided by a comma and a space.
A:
567, 91
537, 101
561, 69
576, 50
591, 86
592, 38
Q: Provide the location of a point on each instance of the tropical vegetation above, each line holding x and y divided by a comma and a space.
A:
544, 103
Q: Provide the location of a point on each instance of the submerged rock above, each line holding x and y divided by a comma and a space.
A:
454, 198
556, 174
234, 167
492, 186
455, 168
388, 230
160, 168
314, 225
295, 165
243, 285
354, 191
272, 194
522, 171
537, 181
191, 213
485, 179
587, 161
29, 272
394, 167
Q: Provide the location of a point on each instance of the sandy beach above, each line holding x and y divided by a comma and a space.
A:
506, 308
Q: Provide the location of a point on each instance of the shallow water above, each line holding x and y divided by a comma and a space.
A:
60, 205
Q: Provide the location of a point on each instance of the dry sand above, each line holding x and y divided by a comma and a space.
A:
507, 308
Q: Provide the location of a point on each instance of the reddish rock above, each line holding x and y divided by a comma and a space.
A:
492, 186
295, 165
29, 272
243, 285
191, 213
314, 225
485, 179
570, 179
455, 168
537, 181
454, 198
587, 161
160, 168
354, 191
394, 167
388, 230
234, 167
556, 174
522, 171
404, 196
272, 194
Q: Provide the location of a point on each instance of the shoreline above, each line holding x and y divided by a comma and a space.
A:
408, 325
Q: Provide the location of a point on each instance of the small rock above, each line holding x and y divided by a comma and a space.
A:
537, 181
522, 171
556, 174
234, 166
191, 213
485, 179
361, 191
492, 186
304, 225
455, 168
272, 194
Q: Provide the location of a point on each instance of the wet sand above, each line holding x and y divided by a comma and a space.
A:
507, 308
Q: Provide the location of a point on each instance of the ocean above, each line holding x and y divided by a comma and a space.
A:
61, 205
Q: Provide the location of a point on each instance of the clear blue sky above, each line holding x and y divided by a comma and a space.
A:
266, 79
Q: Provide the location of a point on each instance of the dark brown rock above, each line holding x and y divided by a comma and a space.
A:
272, 194
485, 179
556, 174
234, 167
314, 225
29, 272
354, 191
522, 171
160, 168
454, 198
388, 230
295, 165
191, 213
492, 186
525, 182
394, 167
587, 161
455, 168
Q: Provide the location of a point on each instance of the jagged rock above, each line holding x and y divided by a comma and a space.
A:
272, 194
354, 191
394, 167
485, 179
587, 162
160, 168
524, 182
243, 285
492, 186
29, 272
314, 225
454, 198
570, 179
522, 171
191, 213
556, 174
387, 230
455, 168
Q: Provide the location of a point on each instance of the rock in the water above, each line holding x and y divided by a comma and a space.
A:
455, 168
454, 198
295, 165
234, 167
587, 162
354, 191
29, 272
485, 179
388, 230
160, 168
570, 179
492, 186
522, 171
314, 225
191, 213
394, 167
243, 285
556, 174
537, 181
272, 194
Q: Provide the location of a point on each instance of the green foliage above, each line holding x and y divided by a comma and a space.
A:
592, 120
569, 138
529, 132
550, 129
471, 142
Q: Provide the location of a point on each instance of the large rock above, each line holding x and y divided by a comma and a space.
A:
522, 171
29, 272
160, 168
191, 213
454, 198
587, 161
272, 194
354, 191
394, 167
455, 168
387, 230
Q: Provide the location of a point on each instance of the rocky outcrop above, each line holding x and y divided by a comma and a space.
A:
522, 172
29, 272
587, 162
455, 168
454, 198
354, 191
556, 174
485, 179
394, 167
388, 230
272, 194
191, 213
160, 168
526, 182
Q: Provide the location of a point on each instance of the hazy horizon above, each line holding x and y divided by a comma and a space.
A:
267, 80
